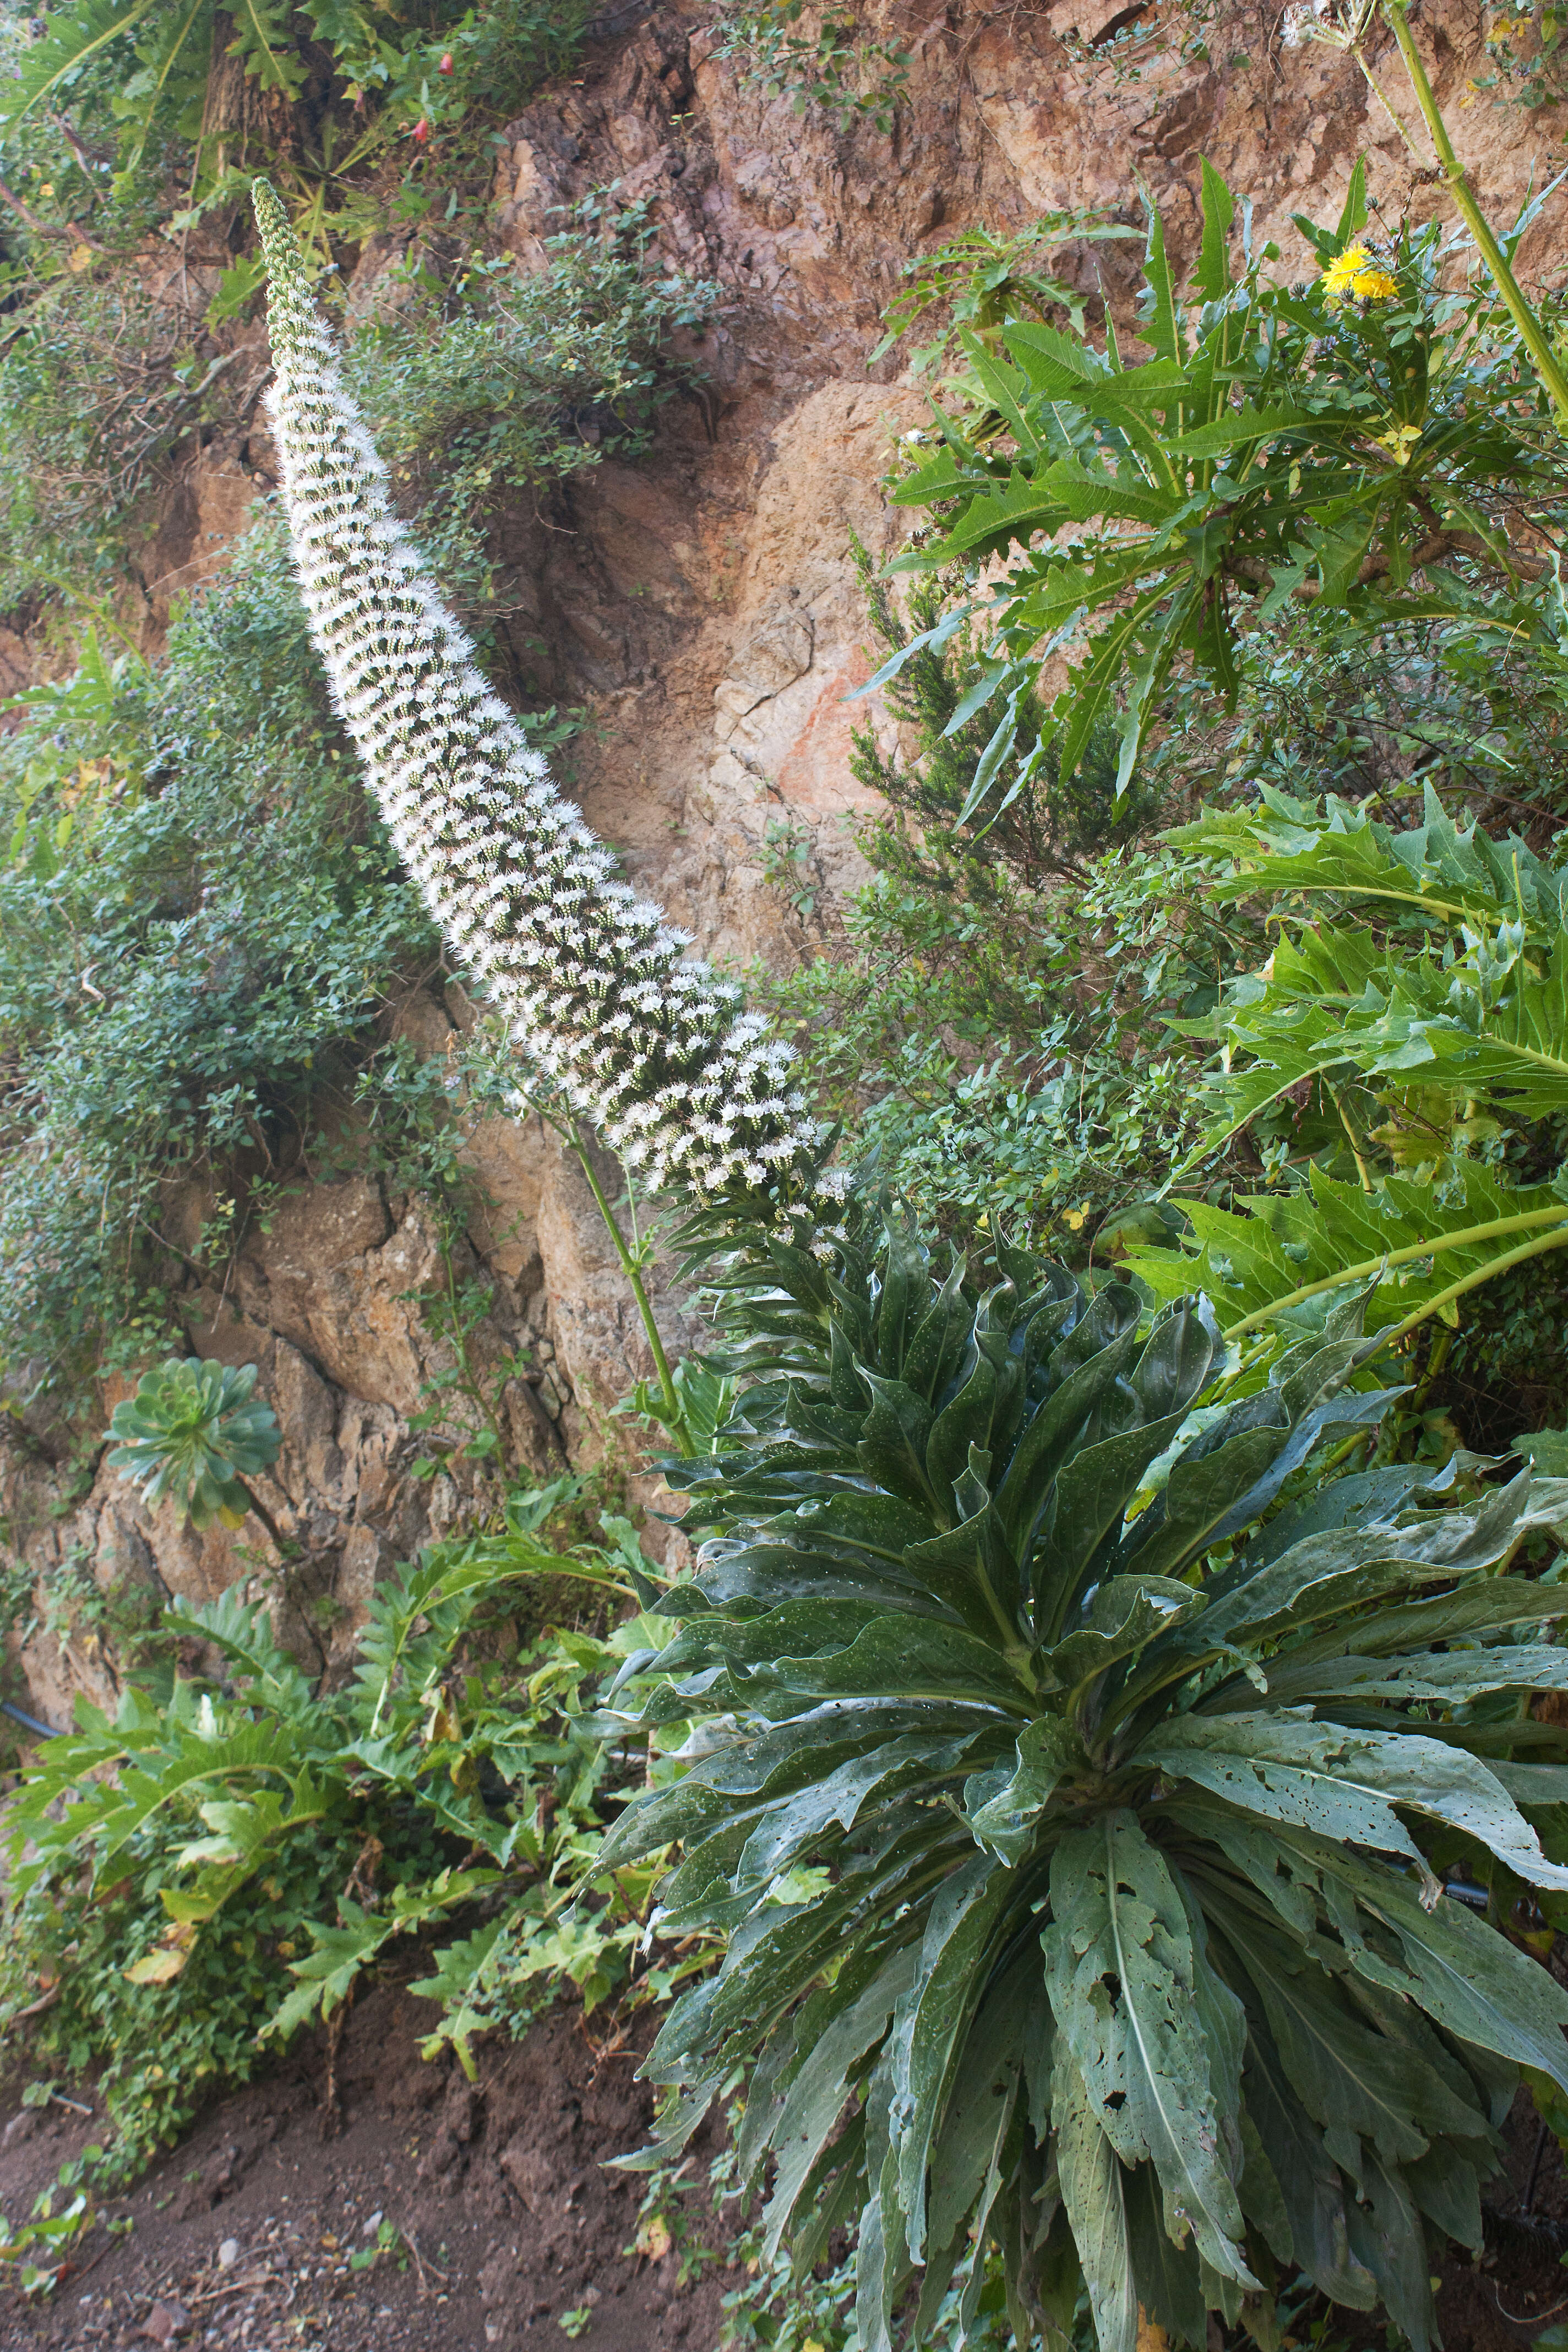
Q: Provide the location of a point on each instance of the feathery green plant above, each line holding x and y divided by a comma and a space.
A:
981, 281
1449, 1023
222, 1860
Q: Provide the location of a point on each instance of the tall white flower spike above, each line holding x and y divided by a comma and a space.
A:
654, 1050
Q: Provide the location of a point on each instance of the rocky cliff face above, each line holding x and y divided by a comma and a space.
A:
703, 602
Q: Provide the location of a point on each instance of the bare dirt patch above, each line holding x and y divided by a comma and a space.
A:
507, 2220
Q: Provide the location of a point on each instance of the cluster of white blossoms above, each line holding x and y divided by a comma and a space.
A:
654, 1049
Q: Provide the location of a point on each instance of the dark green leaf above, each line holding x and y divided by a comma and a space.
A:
1120, 1963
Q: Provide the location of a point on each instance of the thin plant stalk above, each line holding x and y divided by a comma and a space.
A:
1371, 80
675, 1416
1557, 1239
1556, 1218
1362, 1171
631, 1261
1520, 309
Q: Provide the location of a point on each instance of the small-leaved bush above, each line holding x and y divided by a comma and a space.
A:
196, 913
486, 388
1478, 713
991, 1025
818, 55
103, 386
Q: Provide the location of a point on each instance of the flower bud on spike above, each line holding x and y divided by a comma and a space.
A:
599, 998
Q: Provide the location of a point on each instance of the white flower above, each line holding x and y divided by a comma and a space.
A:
687, 1087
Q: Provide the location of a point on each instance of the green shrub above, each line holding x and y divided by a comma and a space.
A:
1002, 1056
164, 2048
220, 1862
101, 388
1049, 827
993, 1027
1343, 440
491, 384
1079, 1846
1374, 716
501, 383
197, 913
820, 57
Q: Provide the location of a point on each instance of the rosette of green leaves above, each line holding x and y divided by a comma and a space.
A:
1079, 1862
196, 1431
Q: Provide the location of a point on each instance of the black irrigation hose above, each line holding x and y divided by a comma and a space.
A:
29, 1722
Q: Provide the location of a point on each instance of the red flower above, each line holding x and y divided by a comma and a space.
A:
446, 64
421, 131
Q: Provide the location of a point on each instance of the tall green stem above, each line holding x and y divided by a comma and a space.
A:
1455, 1290
675, 1418
1524, 318
1432, 1247
1362, 1171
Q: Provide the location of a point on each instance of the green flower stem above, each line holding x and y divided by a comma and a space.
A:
1535, 1218
1361, 1170
1547, 367
1371, 80
1342, 1452
633, 1272
1556, 1239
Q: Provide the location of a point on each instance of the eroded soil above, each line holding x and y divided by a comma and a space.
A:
507, 2220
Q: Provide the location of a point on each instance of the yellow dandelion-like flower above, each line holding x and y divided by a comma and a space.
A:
1344, 271
1373, 286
